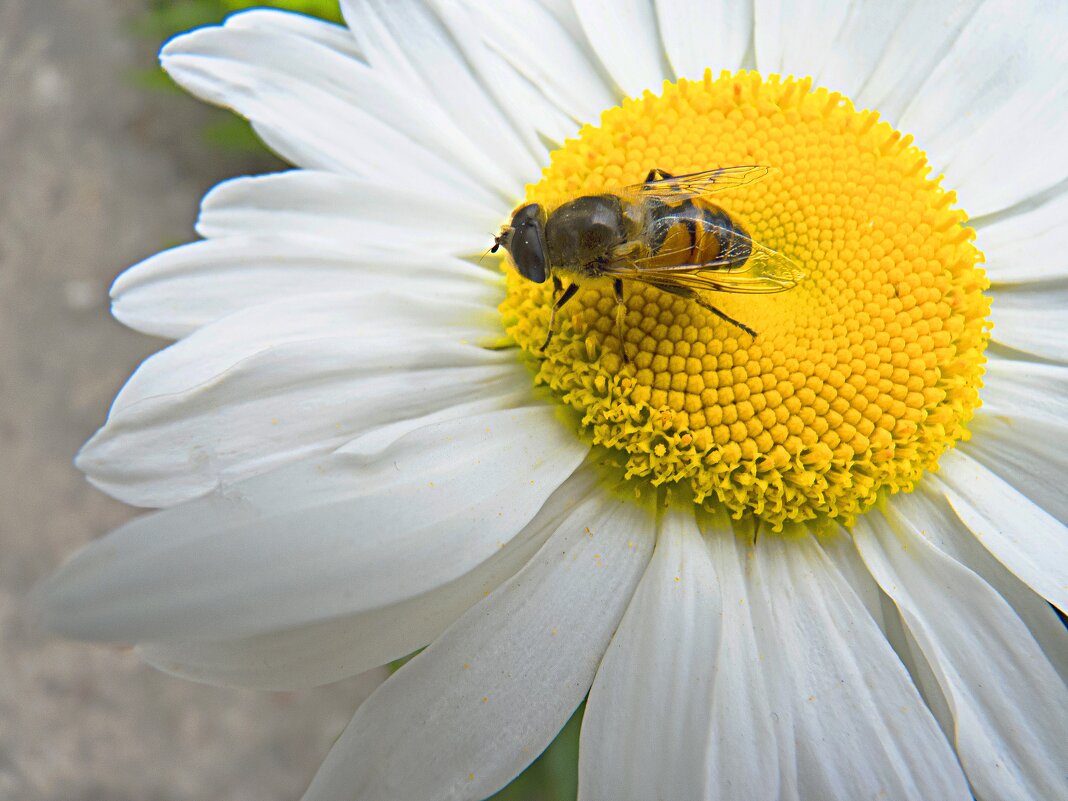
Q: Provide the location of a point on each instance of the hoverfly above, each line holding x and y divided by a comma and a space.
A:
663, 232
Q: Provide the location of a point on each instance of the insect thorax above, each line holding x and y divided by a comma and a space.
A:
584, 232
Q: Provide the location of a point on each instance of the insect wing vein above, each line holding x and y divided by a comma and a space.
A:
697, 184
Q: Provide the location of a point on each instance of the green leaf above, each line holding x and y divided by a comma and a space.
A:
155, 80
324, 9
165, 18
233, 133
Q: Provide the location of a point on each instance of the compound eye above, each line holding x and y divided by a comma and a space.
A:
527, 244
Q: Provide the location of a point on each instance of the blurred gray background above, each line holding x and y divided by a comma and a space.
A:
96, 174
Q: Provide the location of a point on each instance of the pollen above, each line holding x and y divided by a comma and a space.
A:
858, 378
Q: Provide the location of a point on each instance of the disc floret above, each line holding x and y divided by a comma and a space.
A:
859, 378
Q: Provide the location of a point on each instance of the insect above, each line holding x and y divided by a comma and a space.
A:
663, 232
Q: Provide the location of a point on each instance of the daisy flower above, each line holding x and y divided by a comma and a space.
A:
815, 564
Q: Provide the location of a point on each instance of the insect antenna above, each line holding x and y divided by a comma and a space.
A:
493, 249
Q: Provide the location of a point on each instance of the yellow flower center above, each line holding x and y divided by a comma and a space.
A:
859, 378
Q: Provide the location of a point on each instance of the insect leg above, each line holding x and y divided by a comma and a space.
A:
705, 305
561, 299
621, 313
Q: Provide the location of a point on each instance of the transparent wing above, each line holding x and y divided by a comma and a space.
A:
748, 268
696, 184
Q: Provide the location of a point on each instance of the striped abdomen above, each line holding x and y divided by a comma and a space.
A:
692, 232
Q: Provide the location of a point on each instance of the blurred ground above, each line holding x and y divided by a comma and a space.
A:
96, 174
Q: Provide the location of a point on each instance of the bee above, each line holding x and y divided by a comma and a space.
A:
664, 233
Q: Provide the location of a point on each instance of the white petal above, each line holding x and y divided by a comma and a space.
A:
1030, 317
564, 11
330, 650
623, 33
794, 38
406, 41
678, 709
466, 715
851, 567
322, 109
869, 35
542, 51
188, 433
955, 539
1009, 705
1023, 537
272, 20
1017, 388
168, 450
915, 43
707, 34
878, 54
362, 214
992, 113
175, 292
850, 722
1027, 452
386, 320
532, 108
318, 539
1030, 245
